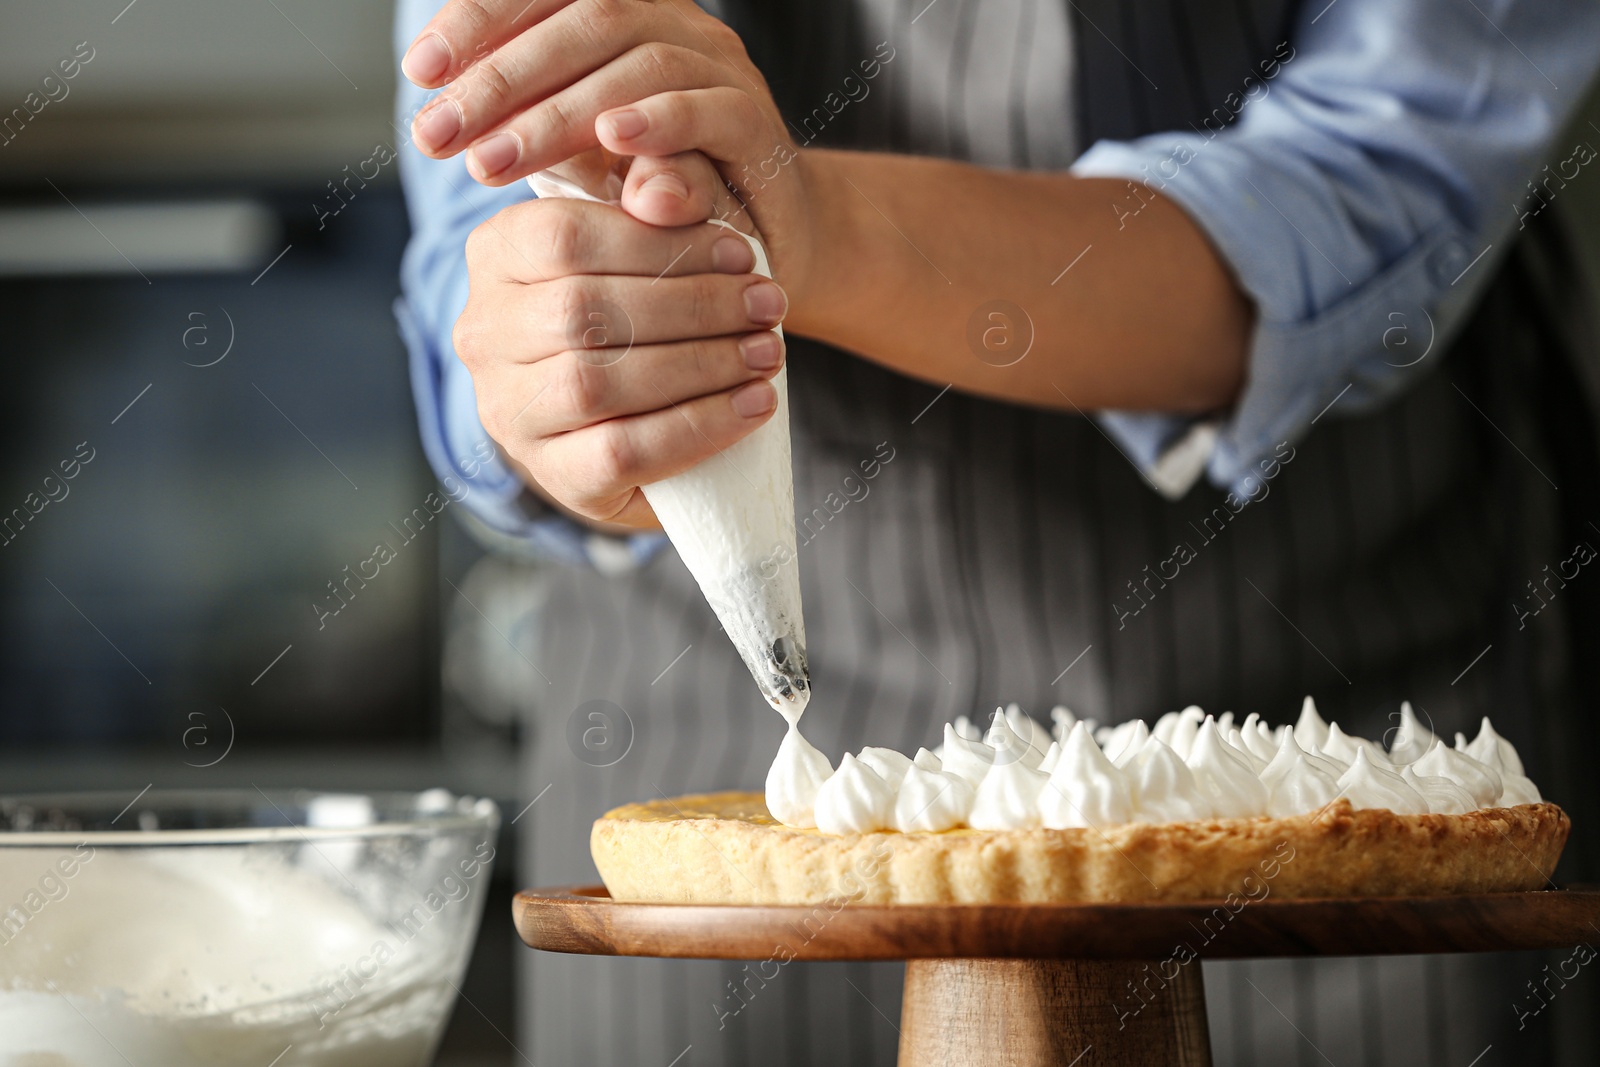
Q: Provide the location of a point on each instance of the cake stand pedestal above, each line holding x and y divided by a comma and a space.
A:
1040, 985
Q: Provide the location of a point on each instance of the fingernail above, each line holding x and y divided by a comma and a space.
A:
427, 60
494, 154
437, 127
757, 398
765, 303
668, 185
762, 351
628, 124
731, 255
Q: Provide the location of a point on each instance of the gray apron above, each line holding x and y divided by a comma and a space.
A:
986, 559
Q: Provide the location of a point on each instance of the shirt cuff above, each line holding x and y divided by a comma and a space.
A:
1357, 352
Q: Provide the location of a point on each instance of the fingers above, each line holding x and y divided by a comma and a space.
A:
595, 468
679, 190
510, 142
549, 239
675, 191
723, 122
551, 58
464, 31
586, 386
589, 312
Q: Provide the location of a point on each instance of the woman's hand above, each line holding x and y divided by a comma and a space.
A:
608, 353
531, 85
897, 258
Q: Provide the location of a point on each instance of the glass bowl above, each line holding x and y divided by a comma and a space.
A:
236, 927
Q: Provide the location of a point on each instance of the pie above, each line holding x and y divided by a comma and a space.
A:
724, 848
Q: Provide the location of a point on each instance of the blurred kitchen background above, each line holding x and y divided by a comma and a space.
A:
186, 300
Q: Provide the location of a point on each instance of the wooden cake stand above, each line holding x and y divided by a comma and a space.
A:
1046, 982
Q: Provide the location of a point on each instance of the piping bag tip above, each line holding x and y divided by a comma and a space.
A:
786, 681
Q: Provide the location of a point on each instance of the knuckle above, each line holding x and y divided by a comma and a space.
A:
708, 304
660, 59
559, 117
574, 298
724, 37
475, 13
749, 111
477, 245
679, 112
603, 15
713, 358
491, 84
582, 389
467, 338
615, 458
565, 238
493, 420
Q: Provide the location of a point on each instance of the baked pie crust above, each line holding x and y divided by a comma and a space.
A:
724, 848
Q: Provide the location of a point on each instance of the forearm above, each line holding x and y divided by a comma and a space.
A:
908, 249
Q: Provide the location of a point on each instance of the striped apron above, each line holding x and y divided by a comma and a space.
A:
990, 556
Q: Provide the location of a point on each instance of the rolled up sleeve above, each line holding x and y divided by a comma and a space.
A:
1378, 168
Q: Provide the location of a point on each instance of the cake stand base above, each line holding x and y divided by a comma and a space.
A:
1052, 1013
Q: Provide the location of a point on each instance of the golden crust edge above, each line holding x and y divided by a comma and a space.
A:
687, 850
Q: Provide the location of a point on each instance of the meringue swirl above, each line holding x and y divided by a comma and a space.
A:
1188, 767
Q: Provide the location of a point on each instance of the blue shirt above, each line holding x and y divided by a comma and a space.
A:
1375, 170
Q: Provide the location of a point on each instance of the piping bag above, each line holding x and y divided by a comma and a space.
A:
731, 517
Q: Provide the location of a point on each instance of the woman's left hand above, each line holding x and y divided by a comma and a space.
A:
530, 85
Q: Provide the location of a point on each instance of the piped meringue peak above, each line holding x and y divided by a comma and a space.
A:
1019, 774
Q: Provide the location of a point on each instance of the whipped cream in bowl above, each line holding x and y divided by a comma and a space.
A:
1188, 767
231, 927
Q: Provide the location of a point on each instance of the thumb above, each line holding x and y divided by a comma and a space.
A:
680, 190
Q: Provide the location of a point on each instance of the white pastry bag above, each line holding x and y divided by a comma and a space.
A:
731, 518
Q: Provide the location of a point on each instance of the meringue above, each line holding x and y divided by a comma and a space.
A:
1101, 777
1226, 780
1235, 741
1010, 745
1517, 789
1310, 732
794, 778
890, 765
1027, 727
1443, 796
1412, 740
1478, 779
1085, 789
1126, 744
1487, 742
1288, 751
1367, 785
1301, 787
855, 800
1342, 747
1008, 798
931, 800
1165, 788
1178, 728
1257, 738
1052, 756
967, 759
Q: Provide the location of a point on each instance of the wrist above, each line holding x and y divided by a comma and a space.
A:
823, 280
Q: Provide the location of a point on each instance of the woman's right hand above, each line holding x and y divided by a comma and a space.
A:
608, 353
